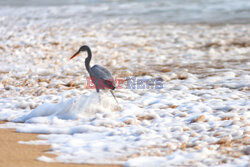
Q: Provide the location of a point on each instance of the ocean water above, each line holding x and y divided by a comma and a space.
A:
150, 11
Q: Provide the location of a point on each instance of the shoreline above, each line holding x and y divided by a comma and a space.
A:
12, 153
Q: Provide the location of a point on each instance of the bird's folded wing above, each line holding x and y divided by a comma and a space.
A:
100, 72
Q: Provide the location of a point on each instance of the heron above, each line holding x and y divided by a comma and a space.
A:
99, 75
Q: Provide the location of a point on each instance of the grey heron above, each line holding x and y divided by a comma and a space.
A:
99, 75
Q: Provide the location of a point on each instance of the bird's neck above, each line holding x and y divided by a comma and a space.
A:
88, 59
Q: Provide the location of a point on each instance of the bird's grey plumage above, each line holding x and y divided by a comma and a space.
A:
101, 72
102, 78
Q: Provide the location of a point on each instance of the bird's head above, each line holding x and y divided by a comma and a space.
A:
81, 49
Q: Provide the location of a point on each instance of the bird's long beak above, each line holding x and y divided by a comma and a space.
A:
75, 55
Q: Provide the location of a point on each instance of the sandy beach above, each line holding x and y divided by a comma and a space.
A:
14, 154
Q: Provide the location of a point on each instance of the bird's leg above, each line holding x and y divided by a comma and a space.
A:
99, 96
114, 97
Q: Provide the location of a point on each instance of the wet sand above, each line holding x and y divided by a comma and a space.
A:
13, 154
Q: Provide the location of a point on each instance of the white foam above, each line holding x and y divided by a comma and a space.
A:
178, 158
45, 159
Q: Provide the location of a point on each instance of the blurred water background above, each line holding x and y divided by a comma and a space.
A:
150, 11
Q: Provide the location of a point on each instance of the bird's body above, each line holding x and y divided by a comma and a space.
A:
100, 76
